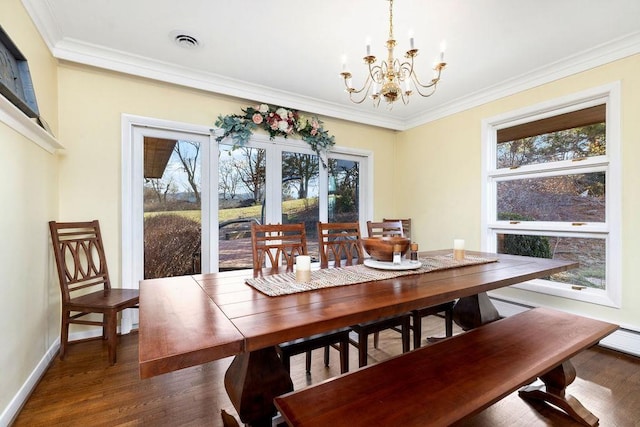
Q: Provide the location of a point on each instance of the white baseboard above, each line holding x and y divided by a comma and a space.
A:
12, 410
624, 340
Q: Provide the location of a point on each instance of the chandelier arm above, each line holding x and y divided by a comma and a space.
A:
438, 68
364, 90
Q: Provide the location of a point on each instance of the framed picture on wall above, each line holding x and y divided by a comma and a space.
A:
15, 78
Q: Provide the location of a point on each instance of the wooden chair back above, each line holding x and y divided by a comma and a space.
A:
406, 225
80, 258
341, 243
385, 228
274, 245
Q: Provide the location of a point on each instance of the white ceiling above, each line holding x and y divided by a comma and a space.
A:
289, 52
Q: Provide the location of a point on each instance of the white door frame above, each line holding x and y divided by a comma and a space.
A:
134, 129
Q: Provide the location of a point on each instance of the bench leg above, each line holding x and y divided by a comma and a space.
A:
252, 381
553, 392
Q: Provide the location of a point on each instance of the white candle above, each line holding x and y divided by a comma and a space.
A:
411, 43
458, 249
443, 47
303, 268
368, 47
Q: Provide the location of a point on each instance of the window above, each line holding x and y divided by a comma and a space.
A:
552, 189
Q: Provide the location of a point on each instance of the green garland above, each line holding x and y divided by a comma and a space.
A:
277, 121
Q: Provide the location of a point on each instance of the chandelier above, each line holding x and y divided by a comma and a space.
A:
392, 79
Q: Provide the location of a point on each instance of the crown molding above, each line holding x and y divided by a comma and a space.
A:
97, 56
100, 57
583, 61
79, 52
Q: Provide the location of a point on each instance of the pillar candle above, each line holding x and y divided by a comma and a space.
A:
303, 268
458, 249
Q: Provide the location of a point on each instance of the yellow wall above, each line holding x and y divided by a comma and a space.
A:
440, 187
29, 296
91, 103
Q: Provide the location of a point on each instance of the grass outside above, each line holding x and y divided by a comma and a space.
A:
289, 207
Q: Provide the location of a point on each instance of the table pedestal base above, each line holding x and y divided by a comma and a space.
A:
252, 381
476, 310
553, 392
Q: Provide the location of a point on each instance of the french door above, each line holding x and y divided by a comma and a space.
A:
188, 201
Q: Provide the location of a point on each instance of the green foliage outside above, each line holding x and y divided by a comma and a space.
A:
520, 244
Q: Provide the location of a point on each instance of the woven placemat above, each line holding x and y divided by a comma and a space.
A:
285, 283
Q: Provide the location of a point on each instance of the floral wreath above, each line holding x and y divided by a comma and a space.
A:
278, 121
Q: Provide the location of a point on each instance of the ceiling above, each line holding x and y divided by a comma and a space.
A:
289, 52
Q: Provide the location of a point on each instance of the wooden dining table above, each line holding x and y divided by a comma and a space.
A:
191, 320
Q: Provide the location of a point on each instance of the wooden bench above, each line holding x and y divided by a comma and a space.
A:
457, 377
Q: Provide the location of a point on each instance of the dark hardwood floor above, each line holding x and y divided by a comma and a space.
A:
85, 391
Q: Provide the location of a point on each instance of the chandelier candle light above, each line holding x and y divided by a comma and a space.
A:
392, 79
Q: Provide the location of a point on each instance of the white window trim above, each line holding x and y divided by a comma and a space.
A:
610, 230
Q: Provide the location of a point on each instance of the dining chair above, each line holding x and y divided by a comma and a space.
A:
406, 225
444, 310
341, 244
84, 282
276, 246
385, 228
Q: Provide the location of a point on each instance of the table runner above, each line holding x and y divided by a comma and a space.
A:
285, 283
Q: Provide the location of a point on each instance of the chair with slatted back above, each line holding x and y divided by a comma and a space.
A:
84, 282
406, 225
385, 228
341, 244
276, 246
445, 309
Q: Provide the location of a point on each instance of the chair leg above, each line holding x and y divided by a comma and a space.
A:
363, 344
406, 334
111, 327
308, 361
417, 329
376, 339
64, 333
326, 355
344, 355
448, 321
286, 362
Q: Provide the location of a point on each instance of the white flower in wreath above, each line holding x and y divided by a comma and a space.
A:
264, 108
283, 113
283, 126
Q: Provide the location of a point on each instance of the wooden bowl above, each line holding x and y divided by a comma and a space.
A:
381, 248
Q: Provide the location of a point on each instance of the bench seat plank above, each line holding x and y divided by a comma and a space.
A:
449, 380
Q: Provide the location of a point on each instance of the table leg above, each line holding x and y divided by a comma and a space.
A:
553, 392
476, 310
252, 381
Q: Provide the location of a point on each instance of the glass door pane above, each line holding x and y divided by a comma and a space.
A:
172, 207
241, 201
300, 191
344, 190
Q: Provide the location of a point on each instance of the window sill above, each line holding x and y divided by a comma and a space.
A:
18, 121
589, 295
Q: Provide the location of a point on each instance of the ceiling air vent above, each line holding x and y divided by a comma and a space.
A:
185, 40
